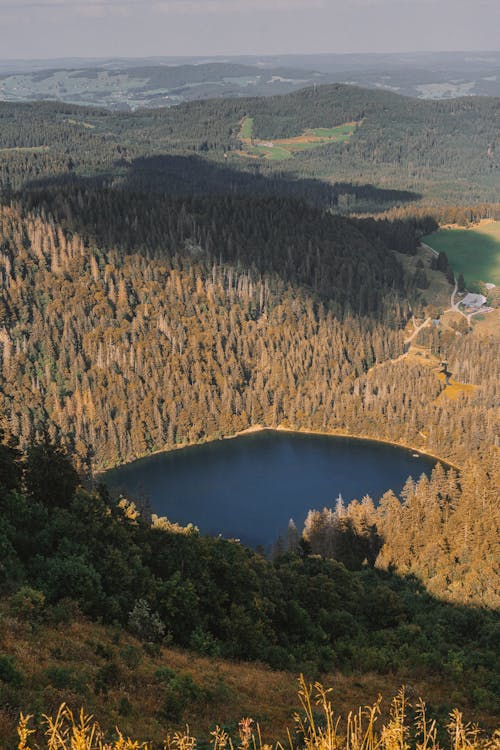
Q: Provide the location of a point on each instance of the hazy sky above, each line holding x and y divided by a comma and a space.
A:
56, 28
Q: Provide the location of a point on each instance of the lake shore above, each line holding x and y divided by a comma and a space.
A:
282, 428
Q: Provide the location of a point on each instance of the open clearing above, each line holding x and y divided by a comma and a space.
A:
422, 356
283, 148
475, 252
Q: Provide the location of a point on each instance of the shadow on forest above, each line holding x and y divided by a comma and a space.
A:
184, 176
176, 204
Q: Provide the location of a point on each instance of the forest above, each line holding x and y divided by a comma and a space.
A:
157, 291
361, 593
443, 151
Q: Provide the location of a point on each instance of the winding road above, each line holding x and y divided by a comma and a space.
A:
417, 330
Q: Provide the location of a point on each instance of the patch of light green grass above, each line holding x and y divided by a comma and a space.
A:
473, 252
338, 132
274, 153
247, 128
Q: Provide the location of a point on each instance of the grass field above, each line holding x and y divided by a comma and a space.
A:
246, 128
65, 661
284, 148
475, 252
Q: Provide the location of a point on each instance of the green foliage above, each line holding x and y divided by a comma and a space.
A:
27, 604
10, 467
204, 643
108, 676
131, 656
9, 673
145, 624
179, 693
441, 149
49, 474
125, 707
64, 679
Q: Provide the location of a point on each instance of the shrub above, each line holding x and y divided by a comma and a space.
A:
9, 673
204, 643
63, 678
107, 676
144, 623
125, 707
27, 603
131, 656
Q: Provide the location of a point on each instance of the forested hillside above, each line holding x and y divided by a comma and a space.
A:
205, 317
445, 151
202, 317
65, 549
158, 290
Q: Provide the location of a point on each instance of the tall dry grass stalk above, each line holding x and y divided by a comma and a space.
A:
315, 728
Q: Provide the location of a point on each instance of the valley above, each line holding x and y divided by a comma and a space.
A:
176, 276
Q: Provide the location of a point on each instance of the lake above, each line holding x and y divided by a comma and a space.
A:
249, 487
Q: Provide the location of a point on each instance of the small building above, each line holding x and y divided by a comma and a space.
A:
474, 301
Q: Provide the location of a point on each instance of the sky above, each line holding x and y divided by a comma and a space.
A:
143, 28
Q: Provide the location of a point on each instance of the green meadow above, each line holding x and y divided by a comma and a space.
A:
474, 252
284, 148
246, 128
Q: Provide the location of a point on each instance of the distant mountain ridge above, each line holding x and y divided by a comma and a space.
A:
130, 87
130, 83
437, 150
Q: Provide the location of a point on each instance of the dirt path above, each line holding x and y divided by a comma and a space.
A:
427, 322
431, 249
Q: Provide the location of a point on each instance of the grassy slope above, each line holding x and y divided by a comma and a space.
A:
475, 252
62, 663
284, 148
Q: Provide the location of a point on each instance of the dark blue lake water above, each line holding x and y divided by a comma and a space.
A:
251, 486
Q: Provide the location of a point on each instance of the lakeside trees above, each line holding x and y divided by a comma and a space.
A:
216, 320
444, 529
221, 598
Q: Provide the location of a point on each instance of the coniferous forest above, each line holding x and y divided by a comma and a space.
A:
159, 290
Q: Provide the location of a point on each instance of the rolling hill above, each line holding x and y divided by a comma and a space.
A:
402, 150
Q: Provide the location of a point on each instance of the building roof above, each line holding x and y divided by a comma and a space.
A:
473, 300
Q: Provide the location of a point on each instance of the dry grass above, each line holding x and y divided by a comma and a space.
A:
454, 389
488, 324
231, 690
315, 727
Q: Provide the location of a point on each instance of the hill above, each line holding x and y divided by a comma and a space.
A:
127, 87
404, 149
68, 551
150, 692
160, 289
132, 82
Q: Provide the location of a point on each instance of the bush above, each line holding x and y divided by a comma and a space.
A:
63, 678
107, 676
144, 623
62, 613
27, 603
181, 691
9, 672
131, 656
125, 707
204, 643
